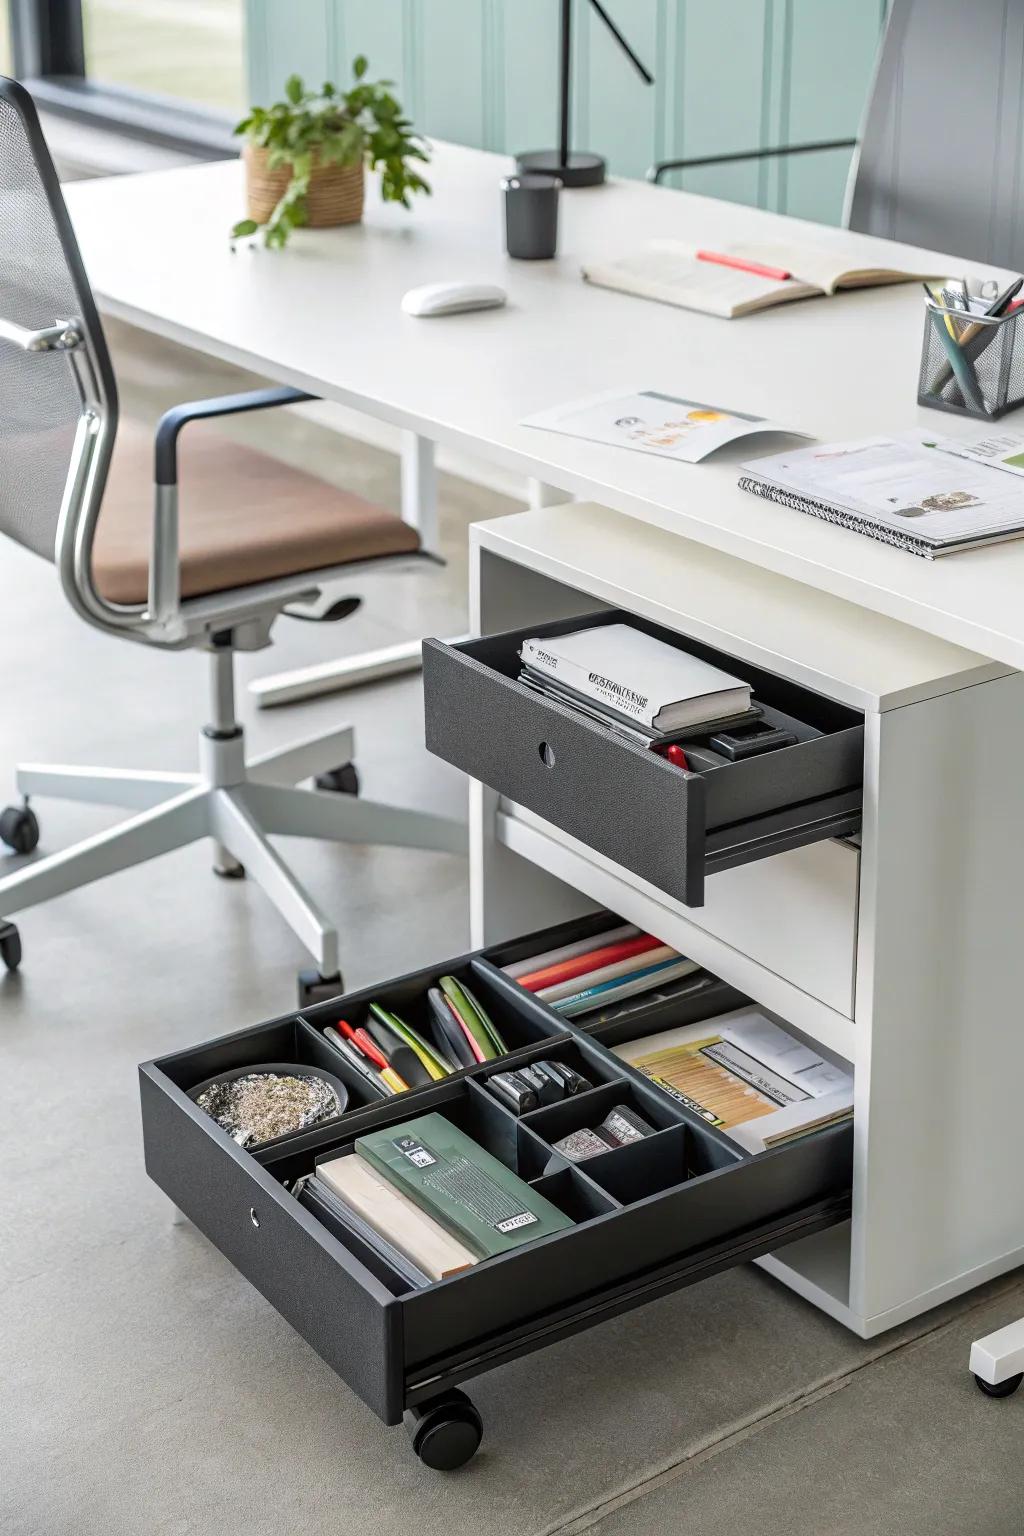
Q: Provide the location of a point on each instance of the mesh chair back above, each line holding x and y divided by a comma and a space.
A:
42, 283
940, 156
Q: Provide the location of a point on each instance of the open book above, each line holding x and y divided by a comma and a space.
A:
674, 273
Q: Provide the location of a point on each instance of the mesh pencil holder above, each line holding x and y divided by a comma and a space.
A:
971, 364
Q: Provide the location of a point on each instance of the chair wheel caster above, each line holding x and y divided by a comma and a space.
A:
314, 988
229, 869
1000, 1388
19, 828
445, 1432
10, 946
340, 781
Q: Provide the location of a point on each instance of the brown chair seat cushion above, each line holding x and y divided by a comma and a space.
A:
243, 518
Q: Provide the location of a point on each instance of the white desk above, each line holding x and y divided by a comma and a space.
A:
325, 316
902, 954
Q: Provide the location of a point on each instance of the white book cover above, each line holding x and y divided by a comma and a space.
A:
662, 688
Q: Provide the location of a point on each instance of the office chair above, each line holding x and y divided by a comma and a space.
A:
215, 578
938, 160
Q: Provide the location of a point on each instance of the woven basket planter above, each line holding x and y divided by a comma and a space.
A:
335, 193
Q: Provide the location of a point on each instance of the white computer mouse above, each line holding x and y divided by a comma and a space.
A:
452, 298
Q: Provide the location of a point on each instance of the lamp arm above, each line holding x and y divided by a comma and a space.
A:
644, 73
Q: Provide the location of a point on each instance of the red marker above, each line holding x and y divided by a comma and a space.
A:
363, 1042
742, 265
677, 757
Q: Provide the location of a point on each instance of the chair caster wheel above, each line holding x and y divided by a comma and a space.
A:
19, 828
314, 988
229, 869
10, 946
1000, 1388
340, 781
445, 1432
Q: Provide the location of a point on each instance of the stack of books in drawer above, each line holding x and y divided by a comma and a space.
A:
641, 687
428, 1199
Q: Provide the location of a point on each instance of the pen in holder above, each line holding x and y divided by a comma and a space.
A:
971, 364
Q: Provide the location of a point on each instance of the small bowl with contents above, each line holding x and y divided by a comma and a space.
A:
260, 1104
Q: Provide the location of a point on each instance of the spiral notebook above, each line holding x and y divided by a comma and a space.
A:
905, 491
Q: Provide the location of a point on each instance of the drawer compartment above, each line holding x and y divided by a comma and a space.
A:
669, 827
649, 1217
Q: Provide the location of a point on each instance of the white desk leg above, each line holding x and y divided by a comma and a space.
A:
540, 494
419, 509
419, 487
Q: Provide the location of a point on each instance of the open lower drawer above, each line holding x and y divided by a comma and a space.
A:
670, 827
649, 1217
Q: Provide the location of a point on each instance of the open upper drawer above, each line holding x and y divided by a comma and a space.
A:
668, 826
647, 1218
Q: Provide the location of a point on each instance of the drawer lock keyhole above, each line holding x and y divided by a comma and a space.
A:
547, 754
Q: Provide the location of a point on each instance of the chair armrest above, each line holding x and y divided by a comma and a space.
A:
172, 421
662, 167
164, 571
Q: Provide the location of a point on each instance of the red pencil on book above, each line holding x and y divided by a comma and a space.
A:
723, 259
580, 965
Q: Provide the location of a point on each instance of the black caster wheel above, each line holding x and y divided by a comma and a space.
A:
1000, 1388
341, 781
314, 988
232, 871
445, 1432
19, 828
10, 946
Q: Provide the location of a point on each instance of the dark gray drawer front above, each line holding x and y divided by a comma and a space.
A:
628, 803
619, 799
348, 1317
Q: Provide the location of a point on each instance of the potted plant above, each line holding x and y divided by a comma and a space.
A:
305, 156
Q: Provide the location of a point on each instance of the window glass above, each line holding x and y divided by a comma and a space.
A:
5, 39
190, 49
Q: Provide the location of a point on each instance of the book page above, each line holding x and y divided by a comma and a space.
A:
652, 422
1000, 449
820, 267
902, 483
669, 271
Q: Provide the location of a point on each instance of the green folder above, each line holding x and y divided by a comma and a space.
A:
459, 1184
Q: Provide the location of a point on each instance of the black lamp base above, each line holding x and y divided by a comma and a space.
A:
581, 169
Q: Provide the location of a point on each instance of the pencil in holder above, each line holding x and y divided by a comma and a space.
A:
971, 364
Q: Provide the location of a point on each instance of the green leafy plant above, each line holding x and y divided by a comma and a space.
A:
363, 125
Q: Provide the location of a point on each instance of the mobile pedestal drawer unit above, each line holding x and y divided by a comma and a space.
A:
649, 1217
898, 949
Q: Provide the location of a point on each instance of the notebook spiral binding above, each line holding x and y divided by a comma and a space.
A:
842, 519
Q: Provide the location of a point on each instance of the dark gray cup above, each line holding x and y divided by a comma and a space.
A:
531, 215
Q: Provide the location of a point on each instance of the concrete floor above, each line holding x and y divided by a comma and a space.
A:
148, 1389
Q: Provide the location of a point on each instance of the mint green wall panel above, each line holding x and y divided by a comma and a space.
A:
831, 47
723, 72
452, 67
278, 47
386, 31
730, 75
617, 113
527, 63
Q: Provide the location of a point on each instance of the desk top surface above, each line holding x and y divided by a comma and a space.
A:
324, 315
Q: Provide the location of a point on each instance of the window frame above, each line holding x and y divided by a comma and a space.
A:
48, 49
